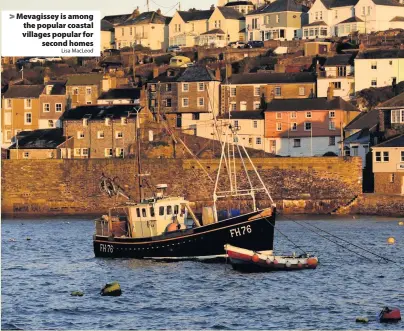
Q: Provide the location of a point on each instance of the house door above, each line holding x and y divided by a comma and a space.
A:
322, 49
272, 146
179, 121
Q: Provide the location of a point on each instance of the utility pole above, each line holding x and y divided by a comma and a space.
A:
179, 5
148, 5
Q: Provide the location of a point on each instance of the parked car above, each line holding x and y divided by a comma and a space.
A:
54, 59
174, 48
23, 60
238, 44
37, 60
255, 44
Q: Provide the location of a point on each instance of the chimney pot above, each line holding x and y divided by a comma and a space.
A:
158, 11
212, 7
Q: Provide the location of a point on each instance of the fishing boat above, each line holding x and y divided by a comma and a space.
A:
247, 260
165, 227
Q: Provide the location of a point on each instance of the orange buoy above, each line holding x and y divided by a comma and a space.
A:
311, 261
391, 240
255, 258
172, 227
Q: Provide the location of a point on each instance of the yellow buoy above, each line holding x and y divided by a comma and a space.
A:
391, 240
401, 223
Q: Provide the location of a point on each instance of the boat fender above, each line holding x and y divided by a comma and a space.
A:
299, 264
389, 315
311, 262
401, 223
276, 261
361, 319
255, 258
288, 264
112, 289
268, 261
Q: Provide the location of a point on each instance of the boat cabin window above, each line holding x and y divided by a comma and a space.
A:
151, 211
176, 210
138, 212
144, 212
161, 211
169, 210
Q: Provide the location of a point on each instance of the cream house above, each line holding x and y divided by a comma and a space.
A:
107, 35
148, 29
244, 7
388, 166
279, 20
185, 26
229, 20
378, 68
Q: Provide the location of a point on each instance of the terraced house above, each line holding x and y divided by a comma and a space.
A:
83, 89
149, 29
279, 20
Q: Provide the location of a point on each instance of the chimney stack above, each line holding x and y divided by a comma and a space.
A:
136, 12
46, 79
217, 74
330, 92
155, 72
158, 11
212, 7
229, 70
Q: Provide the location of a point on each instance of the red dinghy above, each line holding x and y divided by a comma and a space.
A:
250, 261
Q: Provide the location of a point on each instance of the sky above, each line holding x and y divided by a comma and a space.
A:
107, 7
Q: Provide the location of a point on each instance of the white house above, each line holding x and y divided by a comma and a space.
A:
378, 68
279, 20
119, 96
107, 35
229, 20
339, 72
244, 7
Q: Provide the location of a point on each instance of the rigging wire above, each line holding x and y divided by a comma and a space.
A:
164, 6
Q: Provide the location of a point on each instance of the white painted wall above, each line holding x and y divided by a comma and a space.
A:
318, 145
362, 151
346, 86
116, 101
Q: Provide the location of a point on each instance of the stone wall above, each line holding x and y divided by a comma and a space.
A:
72, 186
389, 182
379, 204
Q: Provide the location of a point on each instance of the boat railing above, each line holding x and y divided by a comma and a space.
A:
117, 227
101, 227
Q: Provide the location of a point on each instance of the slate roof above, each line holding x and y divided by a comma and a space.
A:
365, 120
387, 3
121, 93
231, 13
164, 78
381, 54
361, 137
196, 15
272, 78
397, 19
339, 3
84, 79
40, 139
24, 91
280, 6
214, 31
116, 19
316, 23
99, 112
239, 3
340, 59
351, 20
397, 101
106, 26
394, 142
309, 104
244, 115
59, 87
197, 74
146, 18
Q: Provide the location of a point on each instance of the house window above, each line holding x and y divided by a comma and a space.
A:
373, 82
28, 119
258, 141
85, 121
347, 152
236, 124
278, 126
257, 91
331, 114
201, 102
255, 124
331, 125
185, 102
26, 155
167, 103
341, 71
76, 91
373, 65
336, 14
185, 87
296, 143
88, 90
277, 18
243, 105
119, 152
51, 124
168, 88
402, 156
107, 121
58, 107
397, 116
257, 105
278, 91
100, 135
293, 126
385, 156
302, 90
391, 178
308, 114
195, 116
8, 103
46, 107
355, 151
278, 116
88, 102
77, 152
382, 156
337, 85
233, 91
28, 103
118, 135
108, 152
84, 152
331, 141
293, 114
80, 135
233, 106
201, 87
8, 135
391, 63
307, 126
124, 121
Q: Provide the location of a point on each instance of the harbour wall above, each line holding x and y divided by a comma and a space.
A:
71, 186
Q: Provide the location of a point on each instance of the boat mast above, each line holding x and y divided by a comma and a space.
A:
139, 163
